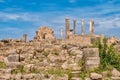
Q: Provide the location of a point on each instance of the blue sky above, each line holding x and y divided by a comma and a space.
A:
18, 17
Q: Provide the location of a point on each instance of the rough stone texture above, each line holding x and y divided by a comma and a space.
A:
65, 65
41, 56
115, 74
10, 62
5, 77
75, 78
112, 40
87, 79
115, 78
45, 33
75, 67
91, 57
81, 40
95, 76
13, 58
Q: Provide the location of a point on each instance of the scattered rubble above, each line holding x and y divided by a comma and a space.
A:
48, 58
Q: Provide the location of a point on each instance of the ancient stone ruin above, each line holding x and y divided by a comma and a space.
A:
48, 58
44, 33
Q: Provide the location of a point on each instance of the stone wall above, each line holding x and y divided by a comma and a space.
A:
45, 33
80, 40
91, 57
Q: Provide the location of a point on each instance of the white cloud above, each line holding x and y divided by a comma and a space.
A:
19, 16
1, 0
106, 17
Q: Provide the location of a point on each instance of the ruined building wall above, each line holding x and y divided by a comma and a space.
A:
80, 40
45, 33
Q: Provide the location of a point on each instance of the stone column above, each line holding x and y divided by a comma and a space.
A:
91, 27
61, 33
36, 37
36, 33
74, 24
67, 25
82, 27
24, 38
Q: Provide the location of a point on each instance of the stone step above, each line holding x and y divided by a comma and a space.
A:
75, 78
92, 58
75, 73
93, 61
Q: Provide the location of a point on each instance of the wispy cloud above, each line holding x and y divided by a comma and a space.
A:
106, 17
19, 16
1, 0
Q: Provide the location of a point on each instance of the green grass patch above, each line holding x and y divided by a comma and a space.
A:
2, 65
20, 69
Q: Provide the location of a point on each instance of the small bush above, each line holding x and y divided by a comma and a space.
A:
2, 65
20, 69
108, 55
45, 53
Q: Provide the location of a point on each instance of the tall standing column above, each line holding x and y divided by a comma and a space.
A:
82, 27
36, 37
74, 24
67, 25
61, 33
91, 27
24, 37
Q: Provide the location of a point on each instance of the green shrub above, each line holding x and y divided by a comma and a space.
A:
2, 65
20, 69
108, 55
45, 53
58, 72
56, 52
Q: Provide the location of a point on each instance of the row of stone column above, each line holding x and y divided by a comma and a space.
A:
68, 30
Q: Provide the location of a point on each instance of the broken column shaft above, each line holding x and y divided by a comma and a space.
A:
82, 27
24, 38
67, 25
74, 24
91, 27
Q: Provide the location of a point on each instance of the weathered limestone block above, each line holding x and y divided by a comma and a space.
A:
115, 74
55, 77
53, 58
78, 55
75, 67
13, 58
5, 77
65, 65
28, 76
17, 76
87, 79
95, 76
38, 77
75, 78
29, 67
91, 52
8, 71
12, 61
115, 78
91, 57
